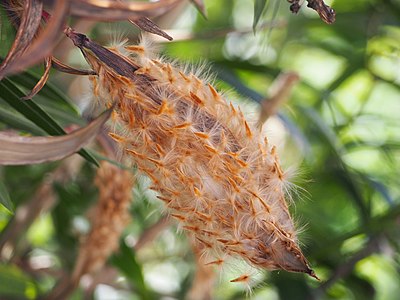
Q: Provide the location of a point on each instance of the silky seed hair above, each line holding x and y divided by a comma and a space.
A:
216, 173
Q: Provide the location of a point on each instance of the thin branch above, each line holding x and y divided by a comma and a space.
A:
152, 232
278, 94
347, 267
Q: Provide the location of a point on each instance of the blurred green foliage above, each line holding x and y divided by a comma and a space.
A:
340, 128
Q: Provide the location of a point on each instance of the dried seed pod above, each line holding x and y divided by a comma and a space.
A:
109, 219
215, 172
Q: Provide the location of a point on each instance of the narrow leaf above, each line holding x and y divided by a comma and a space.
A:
259, 6
19, 150
381, 189
115, 10
50, 91
125, 260
5, 198
343, 174
199, 4
29, 23
11, 94
148, 25
16, 121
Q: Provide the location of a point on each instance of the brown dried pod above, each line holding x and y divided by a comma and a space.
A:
216, 172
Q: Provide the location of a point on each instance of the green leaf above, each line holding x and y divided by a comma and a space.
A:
49, 91
342, 172
15, 121
199, 4
259, 6
15, 285
28, 79
5, 198
125, 260
33, 112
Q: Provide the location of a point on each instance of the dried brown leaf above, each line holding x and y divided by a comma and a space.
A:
60, 66
42, 81
18, 150
200, 7
45, 42
148, 25
29, 23
115, 10
326, 13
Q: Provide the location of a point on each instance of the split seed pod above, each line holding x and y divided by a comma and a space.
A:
217, 174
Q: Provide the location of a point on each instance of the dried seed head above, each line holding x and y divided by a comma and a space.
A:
110, 217
210, 166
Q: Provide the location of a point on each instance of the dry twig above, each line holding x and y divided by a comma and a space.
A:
277, 95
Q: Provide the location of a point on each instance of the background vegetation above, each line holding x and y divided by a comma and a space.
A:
340, 129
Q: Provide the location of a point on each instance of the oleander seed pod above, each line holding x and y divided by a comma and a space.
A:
215, 172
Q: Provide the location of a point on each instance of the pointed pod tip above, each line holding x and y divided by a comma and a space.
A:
78, 39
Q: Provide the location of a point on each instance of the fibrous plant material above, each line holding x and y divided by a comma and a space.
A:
218, 176
109, 218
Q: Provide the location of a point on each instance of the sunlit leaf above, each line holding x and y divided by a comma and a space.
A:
15, 285
5, 198
381, 189
259, 6
125, 260
19, 150
343, 174
199, 4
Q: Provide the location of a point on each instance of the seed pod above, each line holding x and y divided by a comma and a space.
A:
215, 172
110, 217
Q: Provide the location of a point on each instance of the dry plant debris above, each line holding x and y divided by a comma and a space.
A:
34, 43
109, 217
326, 13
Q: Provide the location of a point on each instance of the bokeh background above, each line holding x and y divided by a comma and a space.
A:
339, 131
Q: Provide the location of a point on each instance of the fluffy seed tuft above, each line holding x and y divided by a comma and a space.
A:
213, 169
